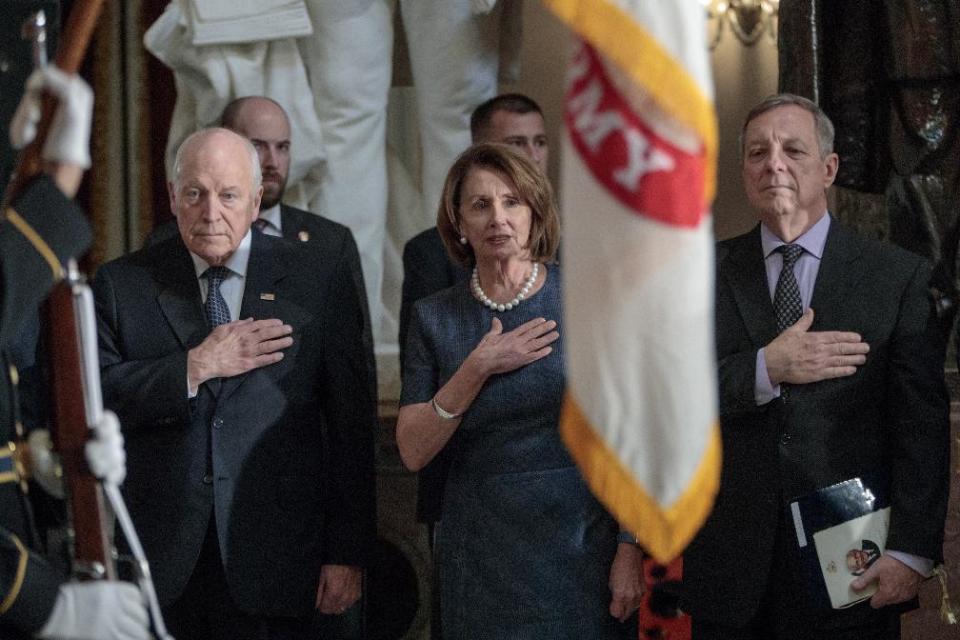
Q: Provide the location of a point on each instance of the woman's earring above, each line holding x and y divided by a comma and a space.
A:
463, 240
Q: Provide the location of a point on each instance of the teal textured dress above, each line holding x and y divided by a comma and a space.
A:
523, 548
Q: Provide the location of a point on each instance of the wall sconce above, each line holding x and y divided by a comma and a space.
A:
747, 19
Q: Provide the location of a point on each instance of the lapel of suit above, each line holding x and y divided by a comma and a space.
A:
179, 296
840, 271
747, 277
264, 270
290, 226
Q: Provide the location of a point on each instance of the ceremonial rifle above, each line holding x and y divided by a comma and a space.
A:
74, 371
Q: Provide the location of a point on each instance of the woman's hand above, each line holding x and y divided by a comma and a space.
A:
500, 352
626, 581
422, 433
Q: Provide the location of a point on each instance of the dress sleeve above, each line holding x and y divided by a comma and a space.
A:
420, 370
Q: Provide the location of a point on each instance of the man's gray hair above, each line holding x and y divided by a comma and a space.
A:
255, 173
825, 131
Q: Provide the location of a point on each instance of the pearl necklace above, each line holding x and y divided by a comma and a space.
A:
494, 306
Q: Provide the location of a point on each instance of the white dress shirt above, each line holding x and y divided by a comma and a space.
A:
232, 286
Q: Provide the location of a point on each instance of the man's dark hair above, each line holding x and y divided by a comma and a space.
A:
512, 102
228, 118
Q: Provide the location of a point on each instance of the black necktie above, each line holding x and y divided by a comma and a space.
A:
786, 299
216, 307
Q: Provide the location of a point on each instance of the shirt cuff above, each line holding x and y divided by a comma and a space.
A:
923, 566
763, 390
625, 537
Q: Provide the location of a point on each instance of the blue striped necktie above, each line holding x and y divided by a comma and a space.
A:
215, 307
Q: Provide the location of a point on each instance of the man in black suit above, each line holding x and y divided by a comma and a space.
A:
830, 368
266, 125
236, 363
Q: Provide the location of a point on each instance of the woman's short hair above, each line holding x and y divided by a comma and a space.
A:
532, 186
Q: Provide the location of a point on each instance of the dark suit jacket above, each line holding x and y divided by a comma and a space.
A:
281, 456
427, 269
334, 241
58, 226
891, 415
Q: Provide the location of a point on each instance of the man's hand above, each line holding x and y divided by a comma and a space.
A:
339, 588
626, 581
800, 356
896, 582
237, 347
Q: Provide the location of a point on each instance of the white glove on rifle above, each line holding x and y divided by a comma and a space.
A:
68, 140
97, 611
45, 466
105, 455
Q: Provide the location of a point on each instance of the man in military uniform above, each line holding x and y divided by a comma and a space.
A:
40, 230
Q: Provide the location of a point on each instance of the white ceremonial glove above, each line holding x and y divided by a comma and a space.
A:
45, 466
105, 455
97, 611
482, 7
68, 140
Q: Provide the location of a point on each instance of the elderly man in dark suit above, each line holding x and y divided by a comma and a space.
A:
236, 363
265, 123
830, 368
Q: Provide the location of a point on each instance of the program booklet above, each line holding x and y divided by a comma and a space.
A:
841, 530
847, 550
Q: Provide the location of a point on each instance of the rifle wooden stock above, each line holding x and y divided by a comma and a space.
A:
90, 524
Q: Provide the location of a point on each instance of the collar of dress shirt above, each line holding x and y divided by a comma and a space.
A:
272, 216
812, 240
237, 263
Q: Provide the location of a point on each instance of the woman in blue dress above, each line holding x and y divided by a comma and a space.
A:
524, 551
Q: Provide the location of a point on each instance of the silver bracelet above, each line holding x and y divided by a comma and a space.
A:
443, 413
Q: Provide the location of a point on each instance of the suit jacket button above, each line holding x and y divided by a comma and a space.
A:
208, 479
785, 438
217, 423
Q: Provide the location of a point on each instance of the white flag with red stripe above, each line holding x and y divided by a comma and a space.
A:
639, 163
